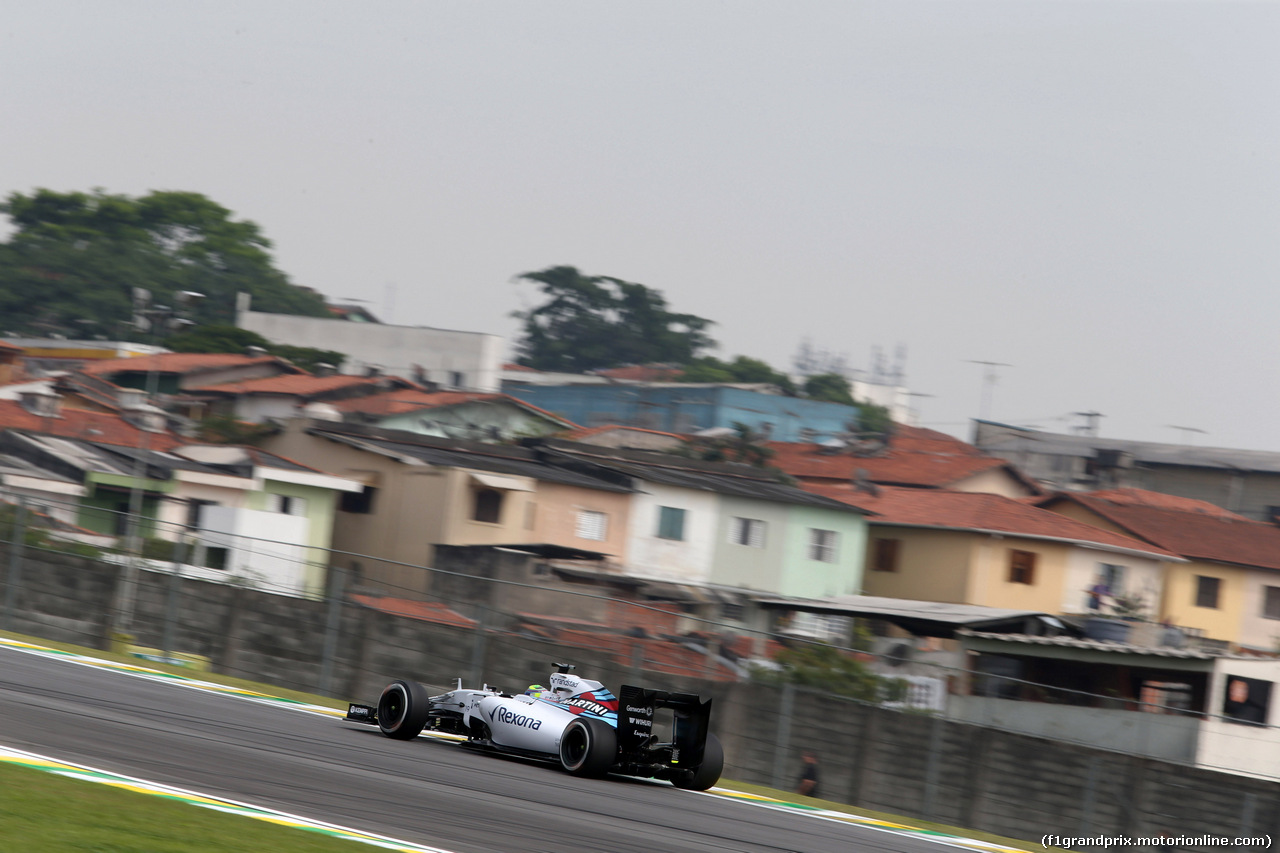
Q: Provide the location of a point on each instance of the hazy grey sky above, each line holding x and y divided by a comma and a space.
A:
1088, 191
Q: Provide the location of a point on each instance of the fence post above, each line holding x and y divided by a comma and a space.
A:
1246, 815
16, 543
1090, 791
478, 646
171, 601
933, 769
332, 627
782, 747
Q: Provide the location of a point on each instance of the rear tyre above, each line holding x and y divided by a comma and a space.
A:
403, 709
708, 773
588, 747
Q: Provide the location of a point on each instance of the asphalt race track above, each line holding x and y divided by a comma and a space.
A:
424, 791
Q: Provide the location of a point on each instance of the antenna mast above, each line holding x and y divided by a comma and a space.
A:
988, 384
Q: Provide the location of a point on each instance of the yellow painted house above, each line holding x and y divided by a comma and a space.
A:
991, 550
1228, 582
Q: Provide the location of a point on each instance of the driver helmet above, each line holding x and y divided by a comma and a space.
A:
535, 690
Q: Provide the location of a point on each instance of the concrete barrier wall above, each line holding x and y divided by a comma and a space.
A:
906, 763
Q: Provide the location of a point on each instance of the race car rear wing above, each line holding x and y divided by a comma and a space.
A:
637, 709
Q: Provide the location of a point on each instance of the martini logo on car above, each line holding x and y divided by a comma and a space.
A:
588, 706
511, 718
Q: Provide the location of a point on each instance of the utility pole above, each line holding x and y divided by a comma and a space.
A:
158, 320
1090, 426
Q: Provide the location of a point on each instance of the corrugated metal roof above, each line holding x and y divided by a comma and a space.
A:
655, 468
1145, 452
1095, 645
505, 460
881, 606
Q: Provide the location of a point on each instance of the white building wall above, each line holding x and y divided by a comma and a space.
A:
1253, 750
689, 560
259, 408
265, 548
1142, 576
443, 355
895, 398
1256, 630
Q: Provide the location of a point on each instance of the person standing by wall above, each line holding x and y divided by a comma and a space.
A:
807, 785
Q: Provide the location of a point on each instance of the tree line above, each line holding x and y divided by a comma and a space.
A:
72, 260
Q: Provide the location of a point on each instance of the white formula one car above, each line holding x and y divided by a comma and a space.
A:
577, 723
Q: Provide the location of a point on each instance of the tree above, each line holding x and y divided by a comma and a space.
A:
741, 369
74, 258
829, 387
827, 668
219, 338
591, 322
874, 419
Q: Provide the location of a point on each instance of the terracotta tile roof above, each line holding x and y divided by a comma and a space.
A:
291, 385
1192, 529
1141, 497
426, 611
520, 368
642, 372
415, 400
411, 400
922, 440
976, 511
935, 468
101, 427
659, 655
180, 362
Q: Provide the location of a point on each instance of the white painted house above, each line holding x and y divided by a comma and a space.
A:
450, 359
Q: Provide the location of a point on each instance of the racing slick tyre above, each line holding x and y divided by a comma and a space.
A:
708, 773
402, 709
588, 747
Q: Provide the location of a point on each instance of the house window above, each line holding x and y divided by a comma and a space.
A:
885, 558
286, 504
1022, 567
488, 506
822, 545
592, 525
731, 611
1112, 577
215, 558
1271, 602
671, 523
1207, 590
195, 507
747, 531
358, 502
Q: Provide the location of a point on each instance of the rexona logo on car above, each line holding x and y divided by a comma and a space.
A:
588, 706
512, 719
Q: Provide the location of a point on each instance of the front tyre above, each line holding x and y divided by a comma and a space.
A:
708, 773
588, 747
403, 709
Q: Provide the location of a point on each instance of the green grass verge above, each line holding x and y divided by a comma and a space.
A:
143, 807
52, 814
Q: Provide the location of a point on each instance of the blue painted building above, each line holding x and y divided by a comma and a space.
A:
689, 407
